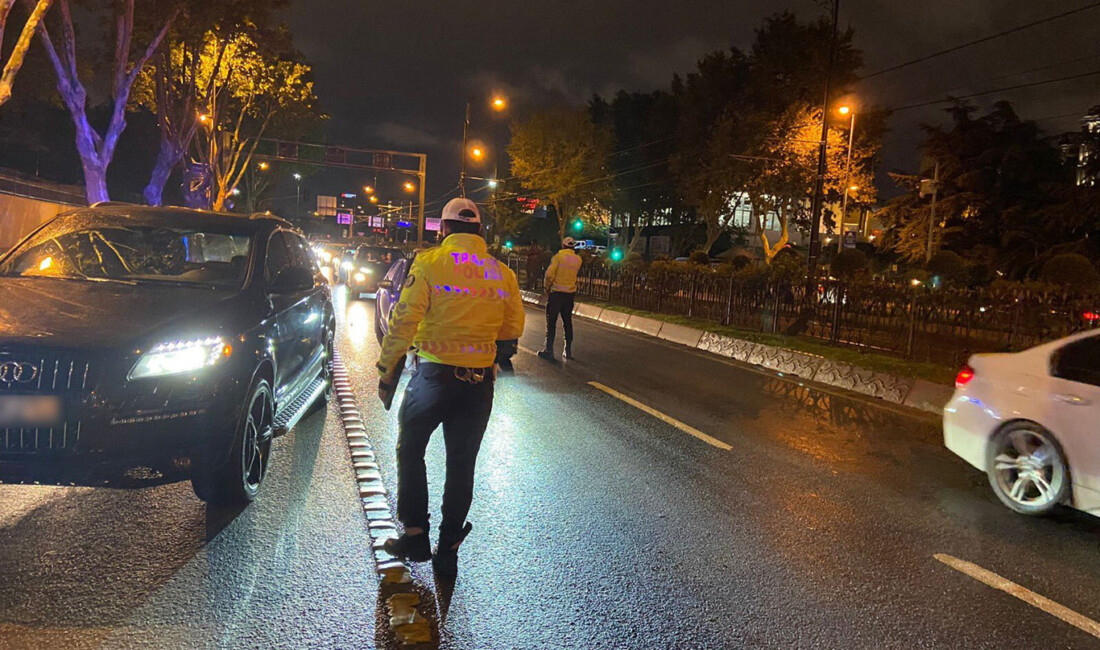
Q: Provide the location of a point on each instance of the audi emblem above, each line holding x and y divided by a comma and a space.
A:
18, 372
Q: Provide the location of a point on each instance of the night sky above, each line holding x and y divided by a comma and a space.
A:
396, 75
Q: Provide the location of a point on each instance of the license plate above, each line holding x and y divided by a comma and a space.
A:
30, 411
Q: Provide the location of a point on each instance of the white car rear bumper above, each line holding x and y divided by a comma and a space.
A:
967, 426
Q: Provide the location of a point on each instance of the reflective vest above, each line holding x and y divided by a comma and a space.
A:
457, 302
562, 274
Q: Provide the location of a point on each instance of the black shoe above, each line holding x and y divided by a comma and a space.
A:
568, 351
414, 548
546, 354
445, 558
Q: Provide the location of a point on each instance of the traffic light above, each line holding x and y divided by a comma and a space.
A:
508, 244
578, 225
616, 254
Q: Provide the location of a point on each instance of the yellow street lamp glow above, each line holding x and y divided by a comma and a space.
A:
844, 110
476, 152
409, 187
368, 189
853, 188
499, 104
264, 166
373, 199
204, 118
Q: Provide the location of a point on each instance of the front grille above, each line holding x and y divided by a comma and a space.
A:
54, 374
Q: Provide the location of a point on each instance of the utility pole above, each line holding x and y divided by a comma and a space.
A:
819, 183
422, 176
465, 144
932, 215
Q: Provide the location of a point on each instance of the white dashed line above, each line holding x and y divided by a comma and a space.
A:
667, 419
991, 579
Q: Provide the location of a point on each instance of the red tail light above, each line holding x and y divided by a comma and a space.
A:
966, 373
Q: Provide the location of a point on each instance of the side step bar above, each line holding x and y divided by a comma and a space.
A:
298, 409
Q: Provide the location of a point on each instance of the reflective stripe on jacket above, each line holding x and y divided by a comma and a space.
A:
562, 274
458, 301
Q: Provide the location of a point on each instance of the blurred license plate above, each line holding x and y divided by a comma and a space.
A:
30, 411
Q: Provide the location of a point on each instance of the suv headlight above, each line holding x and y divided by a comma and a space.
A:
177, 357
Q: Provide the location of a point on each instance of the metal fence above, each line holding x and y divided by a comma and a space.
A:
16, 184
941, 326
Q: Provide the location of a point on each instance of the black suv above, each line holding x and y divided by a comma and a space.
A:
162, 338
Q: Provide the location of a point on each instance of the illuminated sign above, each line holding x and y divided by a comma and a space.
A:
344, 218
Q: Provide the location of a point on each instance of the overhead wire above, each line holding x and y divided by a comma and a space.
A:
984, 39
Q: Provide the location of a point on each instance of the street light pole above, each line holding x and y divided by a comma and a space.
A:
847, 182
819, 183
465, 143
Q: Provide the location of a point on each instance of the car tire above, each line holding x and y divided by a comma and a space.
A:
237, 481
1027, 469
326, 373
378, 334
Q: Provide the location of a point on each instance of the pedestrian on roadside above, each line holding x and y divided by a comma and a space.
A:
561, 287
457, 302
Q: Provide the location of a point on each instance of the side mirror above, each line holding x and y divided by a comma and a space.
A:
293, 279
385, 284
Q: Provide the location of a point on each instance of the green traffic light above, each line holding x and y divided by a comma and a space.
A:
578, 225
508, 244
616, 255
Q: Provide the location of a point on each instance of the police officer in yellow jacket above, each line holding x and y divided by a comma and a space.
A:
561, 285
457, 302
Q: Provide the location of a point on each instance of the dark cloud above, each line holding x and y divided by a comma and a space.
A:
397, 74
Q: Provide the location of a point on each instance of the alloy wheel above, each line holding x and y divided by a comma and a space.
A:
1028, 471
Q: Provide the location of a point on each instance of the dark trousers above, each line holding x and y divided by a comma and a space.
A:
436, 396
559, 304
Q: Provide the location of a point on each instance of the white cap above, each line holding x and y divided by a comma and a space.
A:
463, 210
568, 242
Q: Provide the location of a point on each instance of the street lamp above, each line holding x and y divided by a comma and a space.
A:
477, 153
367, 189
410, 186
499, 103
374, 198
298, 195
846, 110
264, 166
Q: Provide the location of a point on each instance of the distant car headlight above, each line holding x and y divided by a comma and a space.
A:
359, 277
326, 256
347, 266
177, 357
366, 270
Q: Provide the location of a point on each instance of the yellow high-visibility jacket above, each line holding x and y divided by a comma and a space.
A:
562, 274
458, 301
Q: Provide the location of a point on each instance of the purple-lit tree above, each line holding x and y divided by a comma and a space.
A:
130, 56
19, 52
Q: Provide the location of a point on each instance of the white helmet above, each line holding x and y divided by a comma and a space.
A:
568, 242
461, 209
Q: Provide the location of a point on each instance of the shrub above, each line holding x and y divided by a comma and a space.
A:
699, 257
849, 263
949, 266
1070, 270
786, 267
740, 261
633, 260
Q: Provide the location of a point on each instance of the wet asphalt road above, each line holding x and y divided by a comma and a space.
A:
596, 526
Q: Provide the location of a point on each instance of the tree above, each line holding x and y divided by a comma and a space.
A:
643, 126
266, 86
184, 75
509, 217
1005, 198
561, 156
748, 135
135, 44
19, 52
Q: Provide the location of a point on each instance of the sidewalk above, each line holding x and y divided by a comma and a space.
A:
905, 391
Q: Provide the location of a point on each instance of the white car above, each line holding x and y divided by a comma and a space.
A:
1031, 421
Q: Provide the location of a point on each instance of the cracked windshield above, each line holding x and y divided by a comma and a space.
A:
755, 324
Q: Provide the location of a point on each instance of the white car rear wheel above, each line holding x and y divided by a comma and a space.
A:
1027, 469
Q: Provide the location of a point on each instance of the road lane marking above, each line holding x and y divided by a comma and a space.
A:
991, 579
667, 419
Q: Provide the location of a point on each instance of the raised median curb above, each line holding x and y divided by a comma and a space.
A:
410, 619
904, 391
